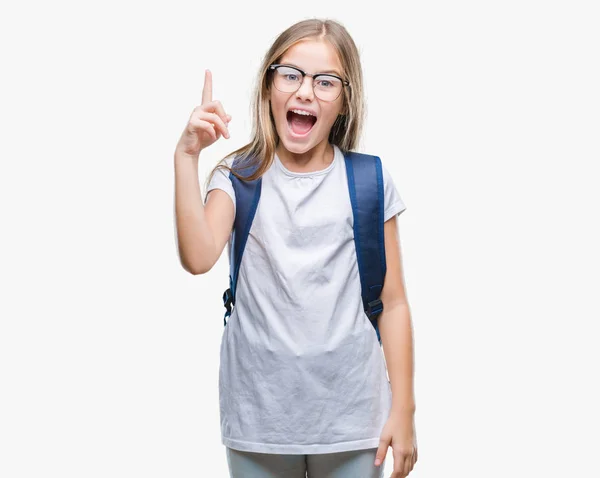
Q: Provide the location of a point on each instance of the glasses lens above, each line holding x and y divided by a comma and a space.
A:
288, 80
327, 88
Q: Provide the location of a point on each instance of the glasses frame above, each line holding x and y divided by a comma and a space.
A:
274, 67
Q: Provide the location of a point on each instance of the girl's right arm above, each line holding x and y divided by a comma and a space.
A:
202, 230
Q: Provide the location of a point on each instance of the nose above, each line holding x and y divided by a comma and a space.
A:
306, 92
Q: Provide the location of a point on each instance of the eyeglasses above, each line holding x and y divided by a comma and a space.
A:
288, 79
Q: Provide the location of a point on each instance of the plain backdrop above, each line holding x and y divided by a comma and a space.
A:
486, 114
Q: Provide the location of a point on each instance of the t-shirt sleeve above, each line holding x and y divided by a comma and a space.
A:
220, 180
393, 204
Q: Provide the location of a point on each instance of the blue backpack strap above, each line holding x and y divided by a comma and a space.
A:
247, 195
365, 184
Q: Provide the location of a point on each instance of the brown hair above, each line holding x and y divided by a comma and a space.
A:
347, 128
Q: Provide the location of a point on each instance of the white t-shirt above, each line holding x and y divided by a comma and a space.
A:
301, 369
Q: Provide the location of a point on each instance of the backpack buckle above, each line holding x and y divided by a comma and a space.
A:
374, 308
228, 300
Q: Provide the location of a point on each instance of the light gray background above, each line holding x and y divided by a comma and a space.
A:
485, 113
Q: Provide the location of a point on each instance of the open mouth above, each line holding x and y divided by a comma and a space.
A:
300, 124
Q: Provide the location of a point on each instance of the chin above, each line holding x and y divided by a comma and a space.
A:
297, 145
294, 147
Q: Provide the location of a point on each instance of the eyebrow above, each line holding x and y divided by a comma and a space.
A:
320, 72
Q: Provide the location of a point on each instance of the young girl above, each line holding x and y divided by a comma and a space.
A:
302, 380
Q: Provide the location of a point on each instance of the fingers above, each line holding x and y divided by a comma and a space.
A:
216, 120
403, 463
207, 90
212, 112
216, 107
381, 451
198, 125
408, 466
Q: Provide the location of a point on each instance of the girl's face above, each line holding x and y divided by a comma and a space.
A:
313, 57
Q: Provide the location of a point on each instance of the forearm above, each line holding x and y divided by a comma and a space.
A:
194, 238
395, 328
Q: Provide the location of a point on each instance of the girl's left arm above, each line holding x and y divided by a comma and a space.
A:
396, 337
395, 326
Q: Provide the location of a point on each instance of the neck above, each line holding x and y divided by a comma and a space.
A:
315, 159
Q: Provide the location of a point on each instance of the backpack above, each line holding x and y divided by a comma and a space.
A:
365, 187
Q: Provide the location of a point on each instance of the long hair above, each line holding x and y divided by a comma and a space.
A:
347, 128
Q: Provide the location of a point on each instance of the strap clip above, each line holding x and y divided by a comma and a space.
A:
228, 300
374, 308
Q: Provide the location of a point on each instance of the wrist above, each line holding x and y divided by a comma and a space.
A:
183, 156
404, 408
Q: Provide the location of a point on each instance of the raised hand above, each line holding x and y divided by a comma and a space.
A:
206, 124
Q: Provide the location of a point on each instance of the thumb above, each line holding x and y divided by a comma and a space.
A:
381, 451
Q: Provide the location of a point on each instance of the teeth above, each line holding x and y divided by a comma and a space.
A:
301, 112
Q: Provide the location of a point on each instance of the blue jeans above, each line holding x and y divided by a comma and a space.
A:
346, 464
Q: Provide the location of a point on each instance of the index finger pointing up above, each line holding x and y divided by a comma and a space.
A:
207, 90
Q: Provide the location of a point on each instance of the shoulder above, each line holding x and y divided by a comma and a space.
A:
373, 159
358, 155
365, 165
219, 178
227, 162
358, 159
